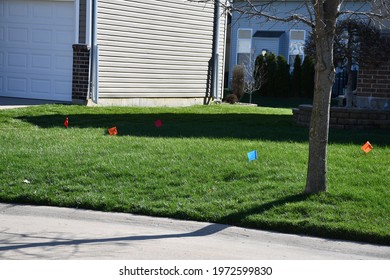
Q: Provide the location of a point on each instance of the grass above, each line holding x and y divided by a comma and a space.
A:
275, 102
195, 167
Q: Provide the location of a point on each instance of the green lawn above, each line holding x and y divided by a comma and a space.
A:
195, 167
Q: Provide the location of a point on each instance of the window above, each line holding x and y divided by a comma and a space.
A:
296, 45
244, 45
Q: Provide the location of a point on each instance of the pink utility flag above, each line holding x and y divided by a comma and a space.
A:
158, 123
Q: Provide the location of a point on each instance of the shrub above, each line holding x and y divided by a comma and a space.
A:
260, 74
272, 80
238, 81
308, 77
272, 75
282, 87
296, 80
231, 98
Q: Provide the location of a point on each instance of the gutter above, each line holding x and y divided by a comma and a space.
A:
94, 56
215, 75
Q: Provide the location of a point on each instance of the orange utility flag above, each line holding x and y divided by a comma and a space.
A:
113, 131
66, 122
367, 147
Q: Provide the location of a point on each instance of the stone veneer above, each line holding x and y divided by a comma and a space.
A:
80, 73
347, 118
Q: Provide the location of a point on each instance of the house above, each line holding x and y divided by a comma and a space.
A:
252, 35
114, 52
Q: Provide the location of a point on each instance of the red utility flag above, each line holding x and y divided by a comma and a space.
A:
113, 131
158, 123
66, 122
367, 147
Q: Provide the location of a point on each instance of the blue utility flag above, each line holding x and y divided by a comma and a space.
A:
252, 155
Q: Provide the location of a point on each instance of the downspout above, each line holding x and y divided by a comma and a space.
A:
215, 77
94, 56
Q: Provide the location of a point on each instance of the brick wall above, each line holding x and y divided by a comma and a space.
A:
80, 73
373, 87
347, 118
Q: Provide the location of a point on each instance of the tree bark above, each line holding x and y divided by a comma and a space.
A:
326, 14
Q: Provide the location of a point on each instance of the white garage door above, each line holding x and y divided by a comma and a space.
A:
36, 54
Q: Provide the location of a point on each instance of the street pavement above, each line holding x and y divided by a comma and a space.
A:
52, 233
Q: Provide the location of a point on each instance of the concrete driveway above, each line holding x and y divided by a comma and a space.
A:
35, 232
11, 103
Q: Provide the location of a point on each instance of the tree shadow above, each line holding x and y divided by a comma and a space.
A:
302, 227
279, 128
205, 231
242, 126
239, 217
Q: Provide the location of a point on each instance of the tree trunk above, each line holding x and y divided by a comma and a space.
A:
319, 130
326, 12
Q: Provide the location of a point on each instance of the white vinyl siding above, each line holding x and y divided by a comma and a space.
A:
155, 48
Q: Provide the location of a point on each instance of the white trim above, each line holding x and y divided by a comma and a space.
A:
250, 47
88, 24
94, 55
77, 20
289, 43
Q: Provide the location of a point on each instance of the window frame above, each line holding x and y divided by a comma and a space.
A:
246, 39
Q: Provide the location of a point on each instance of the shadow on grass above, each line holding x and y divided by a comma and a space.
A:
276, 102
302, 227
189, 125
242, 126
240, 217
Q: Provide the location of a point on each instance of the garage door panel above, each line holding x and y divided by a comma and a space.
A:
17, 9
62, 87
2, 34
36, 55
64, 11
63, 37
39, 86
53, 88
18, 35
42, 11
1, 60
17, 61
16, 84
41, 62
63, 64
41, 36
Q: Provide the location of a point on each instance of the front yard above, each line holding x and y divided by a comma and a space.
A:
195, 167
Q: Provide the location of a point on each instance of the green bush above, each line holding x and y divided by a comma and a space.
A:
282, 87
260, 74
272, 80
272, 75
308, 72
296, 79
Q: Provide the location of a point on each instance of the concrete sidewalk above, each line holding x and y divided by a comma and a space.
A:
36, 232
